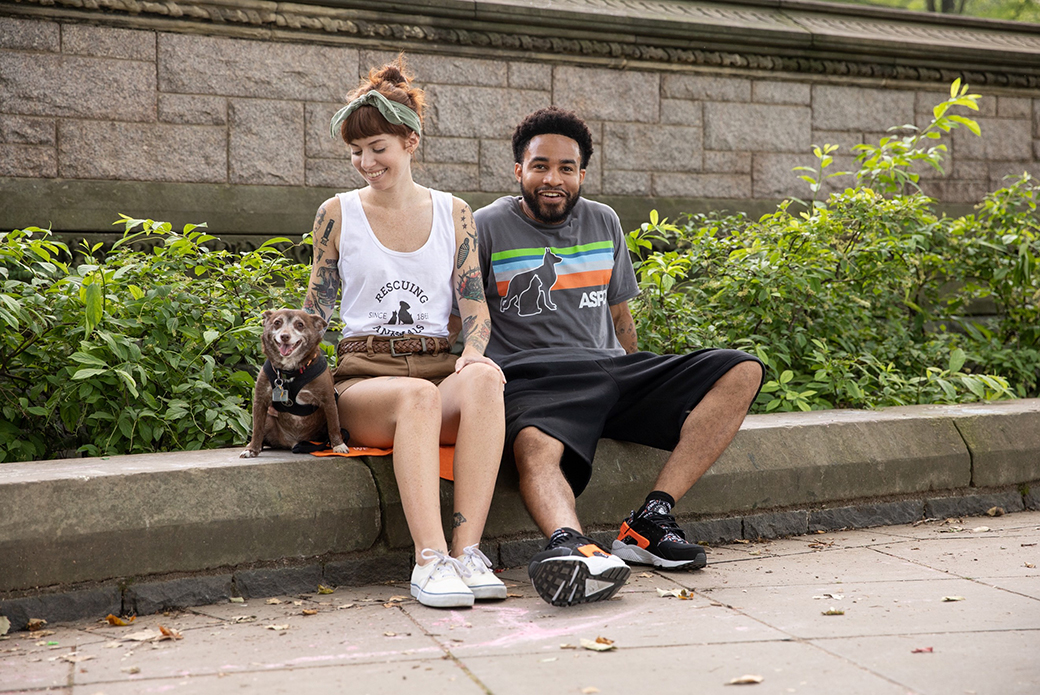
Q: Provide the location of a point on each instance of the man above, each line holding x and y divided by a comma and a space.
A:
558, 279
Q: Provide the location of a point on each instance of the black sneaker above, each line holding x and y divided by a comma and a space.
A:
575, 569
655, 539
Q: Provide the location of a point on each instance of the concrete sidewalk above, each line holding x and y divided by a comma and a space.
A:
757, 609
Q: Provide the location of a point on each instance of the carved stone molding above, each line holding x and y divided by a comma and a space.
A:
674, 32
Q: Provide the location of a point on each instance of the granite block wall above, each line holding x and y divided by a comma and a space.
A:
91, 102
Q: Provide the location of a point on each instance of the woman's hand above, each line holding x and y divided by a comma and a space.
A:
469, 357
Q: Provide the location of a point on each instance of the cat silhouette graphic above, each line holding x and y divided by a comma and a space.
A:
531, 290
401, 315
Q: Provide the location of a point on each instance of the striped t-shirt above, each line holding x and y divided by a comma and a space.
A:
550, 287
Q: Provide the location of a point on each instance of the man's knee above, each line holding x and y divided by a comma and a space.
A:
749, 373
534, 450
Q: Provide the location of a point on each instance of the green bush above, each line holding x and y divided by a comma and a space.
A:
859, 300
144, 349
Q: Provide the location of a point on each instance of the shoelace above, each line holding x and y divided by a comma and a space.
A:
477, 557
672, 532
444, 563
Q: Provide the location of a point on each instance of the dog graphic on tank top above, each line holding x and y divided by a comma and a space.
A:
530, 291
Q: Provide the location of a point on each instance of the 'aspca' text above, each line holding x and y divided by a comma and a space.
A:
594, 298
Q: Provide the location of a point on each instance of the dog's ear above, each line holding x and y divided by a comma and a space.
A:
266, 315
318, 322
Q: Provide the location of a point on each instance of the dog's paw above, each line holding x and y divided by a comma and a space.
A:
341, 449
248, 454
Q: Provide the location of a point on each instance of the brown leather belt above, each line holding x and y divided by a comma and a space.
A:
397, 347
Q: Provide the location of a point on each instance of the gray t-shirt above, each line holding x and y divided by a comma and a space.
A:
550, 287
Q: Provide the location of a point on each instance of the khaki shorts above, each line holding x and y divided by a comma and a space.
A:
354, 367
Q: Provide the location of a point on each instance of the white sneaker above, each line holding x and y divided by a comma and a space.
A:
477, 575
438, 583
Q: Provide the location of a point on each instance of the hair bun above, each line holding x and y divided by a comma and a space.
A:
391, 73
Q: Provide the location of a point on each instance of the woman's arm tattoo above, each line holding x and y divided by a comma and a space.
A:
471, 285
475, 333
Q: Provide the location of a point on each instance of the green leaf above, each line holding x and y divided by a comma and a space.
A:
786, 376
957, 359
94, 304
970, 124
87, 373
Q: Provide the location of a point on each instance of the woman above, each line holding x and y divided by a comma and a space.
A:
398, 253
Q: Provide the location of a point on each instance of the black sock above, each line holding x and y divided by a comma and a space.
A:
557, 535
657, 502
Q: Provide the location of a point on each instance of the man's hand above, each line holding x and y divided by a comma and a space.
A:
625, 327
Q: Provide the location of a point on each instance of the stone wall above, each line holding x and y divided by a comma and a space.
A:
227, 121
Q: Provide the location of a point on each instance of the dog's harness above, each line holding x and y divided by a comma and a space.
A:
286, 385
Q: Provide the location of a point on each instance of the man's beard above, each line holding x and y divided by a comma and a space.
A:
543, 215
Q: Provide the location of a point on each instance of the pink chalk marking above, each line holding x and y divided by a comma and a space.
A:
520, 631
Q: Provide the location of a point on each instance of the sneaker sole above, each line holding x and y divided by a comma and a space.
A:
566, 581
633, 553
489, 593
442, 600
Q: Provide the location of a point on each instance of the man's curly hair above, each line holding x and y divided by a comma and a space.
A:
552, 121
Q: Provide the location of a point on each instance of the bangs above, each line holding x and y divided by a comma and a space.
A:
366, 122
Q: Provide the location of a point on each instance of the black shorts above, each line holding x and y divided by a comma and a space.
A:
642, 398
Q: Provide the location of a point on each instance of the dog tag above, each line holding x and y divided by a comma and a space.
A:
279, 394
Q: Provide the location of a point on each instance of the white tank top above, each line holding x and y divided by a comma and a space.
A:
391, 293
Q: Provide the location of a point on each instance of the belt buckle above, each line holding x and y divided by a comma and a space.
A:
393, 350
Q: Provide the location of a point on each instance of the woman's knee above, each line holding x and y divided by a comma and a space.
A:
418, 396
481, 382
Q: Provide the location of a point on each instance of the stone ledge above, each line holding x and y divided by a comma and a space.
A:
144, 533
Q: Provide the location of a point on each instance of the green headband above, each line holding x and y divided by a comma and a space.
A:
393, 111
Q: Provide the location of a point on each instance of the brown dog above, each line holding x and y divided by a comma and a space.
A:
294, 399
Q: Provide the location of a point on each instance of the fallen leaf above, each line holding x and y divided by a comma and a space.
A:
953, 598
322, 589
836, 597
74, 658
675, 593
273, 601
514, 595
131, 670
980, 529
345, 605
600, 644
116, 620
833, 611
567, 646
745, 680
143, 636
921, 650
741, 540
551, 658
995, 511
1030, 565
397, 599
389, 634
5, 625
43, 633
646, 575
309, 611
1026, 545
590, 690
276, 627
242, 619
169, 633
297, 603
237, 599
35, 624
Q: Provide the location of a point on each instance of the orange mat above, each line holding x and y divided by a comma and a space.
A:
447, 456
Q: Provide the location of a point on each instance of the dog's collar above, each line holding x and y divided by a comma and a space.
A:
294, 381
